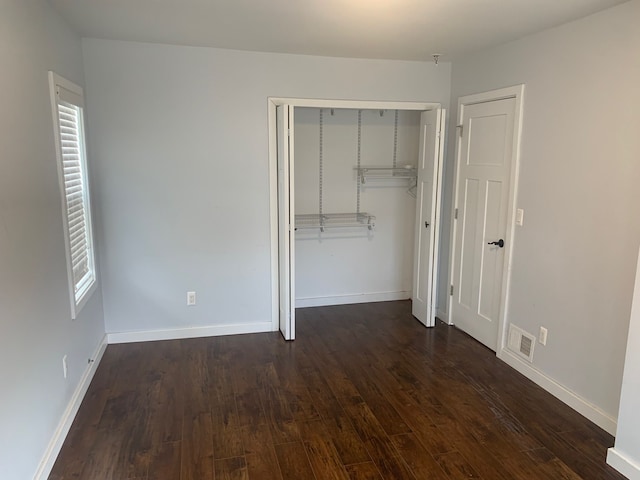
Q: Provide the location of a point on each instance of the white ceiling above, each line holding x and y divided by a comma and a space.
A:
386, 29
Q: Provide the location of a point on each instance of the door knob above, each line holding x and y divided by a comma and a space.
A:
499, 243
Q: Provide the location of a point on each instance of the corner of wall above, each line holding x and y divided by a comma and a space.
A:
55, 444
623, 464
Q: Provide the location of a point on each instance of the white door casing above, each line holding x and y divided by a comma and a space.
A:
281, 138
427, 229
484, 206
286, 230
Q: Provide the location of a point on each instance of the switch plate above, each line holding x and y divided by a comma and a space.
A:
191, 299
65, 369
519, 217
542, 337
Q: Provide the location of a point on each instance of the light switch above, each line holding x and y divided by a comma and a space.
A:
519, 217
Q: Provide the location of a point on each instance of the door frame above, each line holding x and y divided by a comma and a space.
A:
272, 104
517, 93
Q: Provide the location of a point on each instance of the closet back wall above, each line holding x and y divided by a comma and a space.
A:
353, 265
179, 138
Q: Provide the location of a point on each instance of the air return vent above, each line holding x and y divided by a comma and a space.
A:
521, 342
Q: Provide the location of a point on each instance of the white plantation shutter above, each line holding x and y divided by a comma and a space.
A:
70, 120
73, 176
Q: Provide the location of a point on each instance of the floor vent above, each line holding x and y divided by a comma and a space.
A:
521, 342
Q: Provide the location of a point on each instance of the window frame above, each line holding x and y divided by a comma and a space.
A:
64, 91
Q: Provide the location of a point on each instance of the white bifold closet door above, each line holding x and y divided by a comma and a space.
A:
286, 222
425, 265
427, 217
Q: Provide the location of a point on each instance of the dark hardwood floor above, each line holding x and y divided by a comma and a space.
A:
365, 392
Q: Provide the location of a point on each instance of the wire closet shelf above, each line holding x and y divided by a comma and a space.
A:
334, 220
365, 172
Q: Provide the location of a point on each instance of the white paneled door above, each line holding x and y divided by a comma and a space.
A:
427, 216
286, 223
485, 159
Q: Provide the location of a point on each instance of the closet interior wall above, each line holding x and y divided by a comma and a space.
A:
352, 265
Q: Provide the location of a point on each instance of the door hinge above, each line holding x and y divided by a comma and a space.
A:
460, 128
455, 214
288, 132
451, 291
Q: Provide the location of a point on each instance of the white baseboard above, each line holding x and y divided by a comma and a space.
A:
348, 299
53, 449
189, 332
623, 464
575, 401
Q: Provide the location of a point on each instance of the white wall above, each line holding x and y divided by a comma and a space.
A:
182, 160
354, 265
36, 329
578, 187
626, 454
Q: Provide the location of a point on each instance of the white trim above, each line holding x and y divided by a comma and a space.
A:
349, 299
56, 80
352, 104
623, 464
188, 332
562, 393
60, 434
517, 93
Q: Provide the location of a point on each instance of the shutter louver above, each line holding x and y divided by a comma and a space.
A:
71, 140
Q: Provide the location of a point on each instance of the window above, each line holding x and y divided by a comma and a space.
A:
67, 104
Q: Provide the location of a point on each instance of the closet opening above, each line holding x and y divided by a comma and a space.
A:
355, 200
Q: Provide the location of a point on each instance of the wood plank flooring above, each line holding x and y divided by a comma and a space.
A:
364, 393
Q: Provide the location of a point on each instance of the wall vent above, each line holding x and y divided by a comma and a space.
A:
521, 342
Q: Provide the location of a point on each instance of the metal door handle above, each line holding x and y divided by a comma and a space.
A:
499, 243
426, 224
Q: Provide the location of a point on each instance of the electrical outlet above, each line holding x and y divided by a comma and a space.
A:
542, 337
65, 368
191, 298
